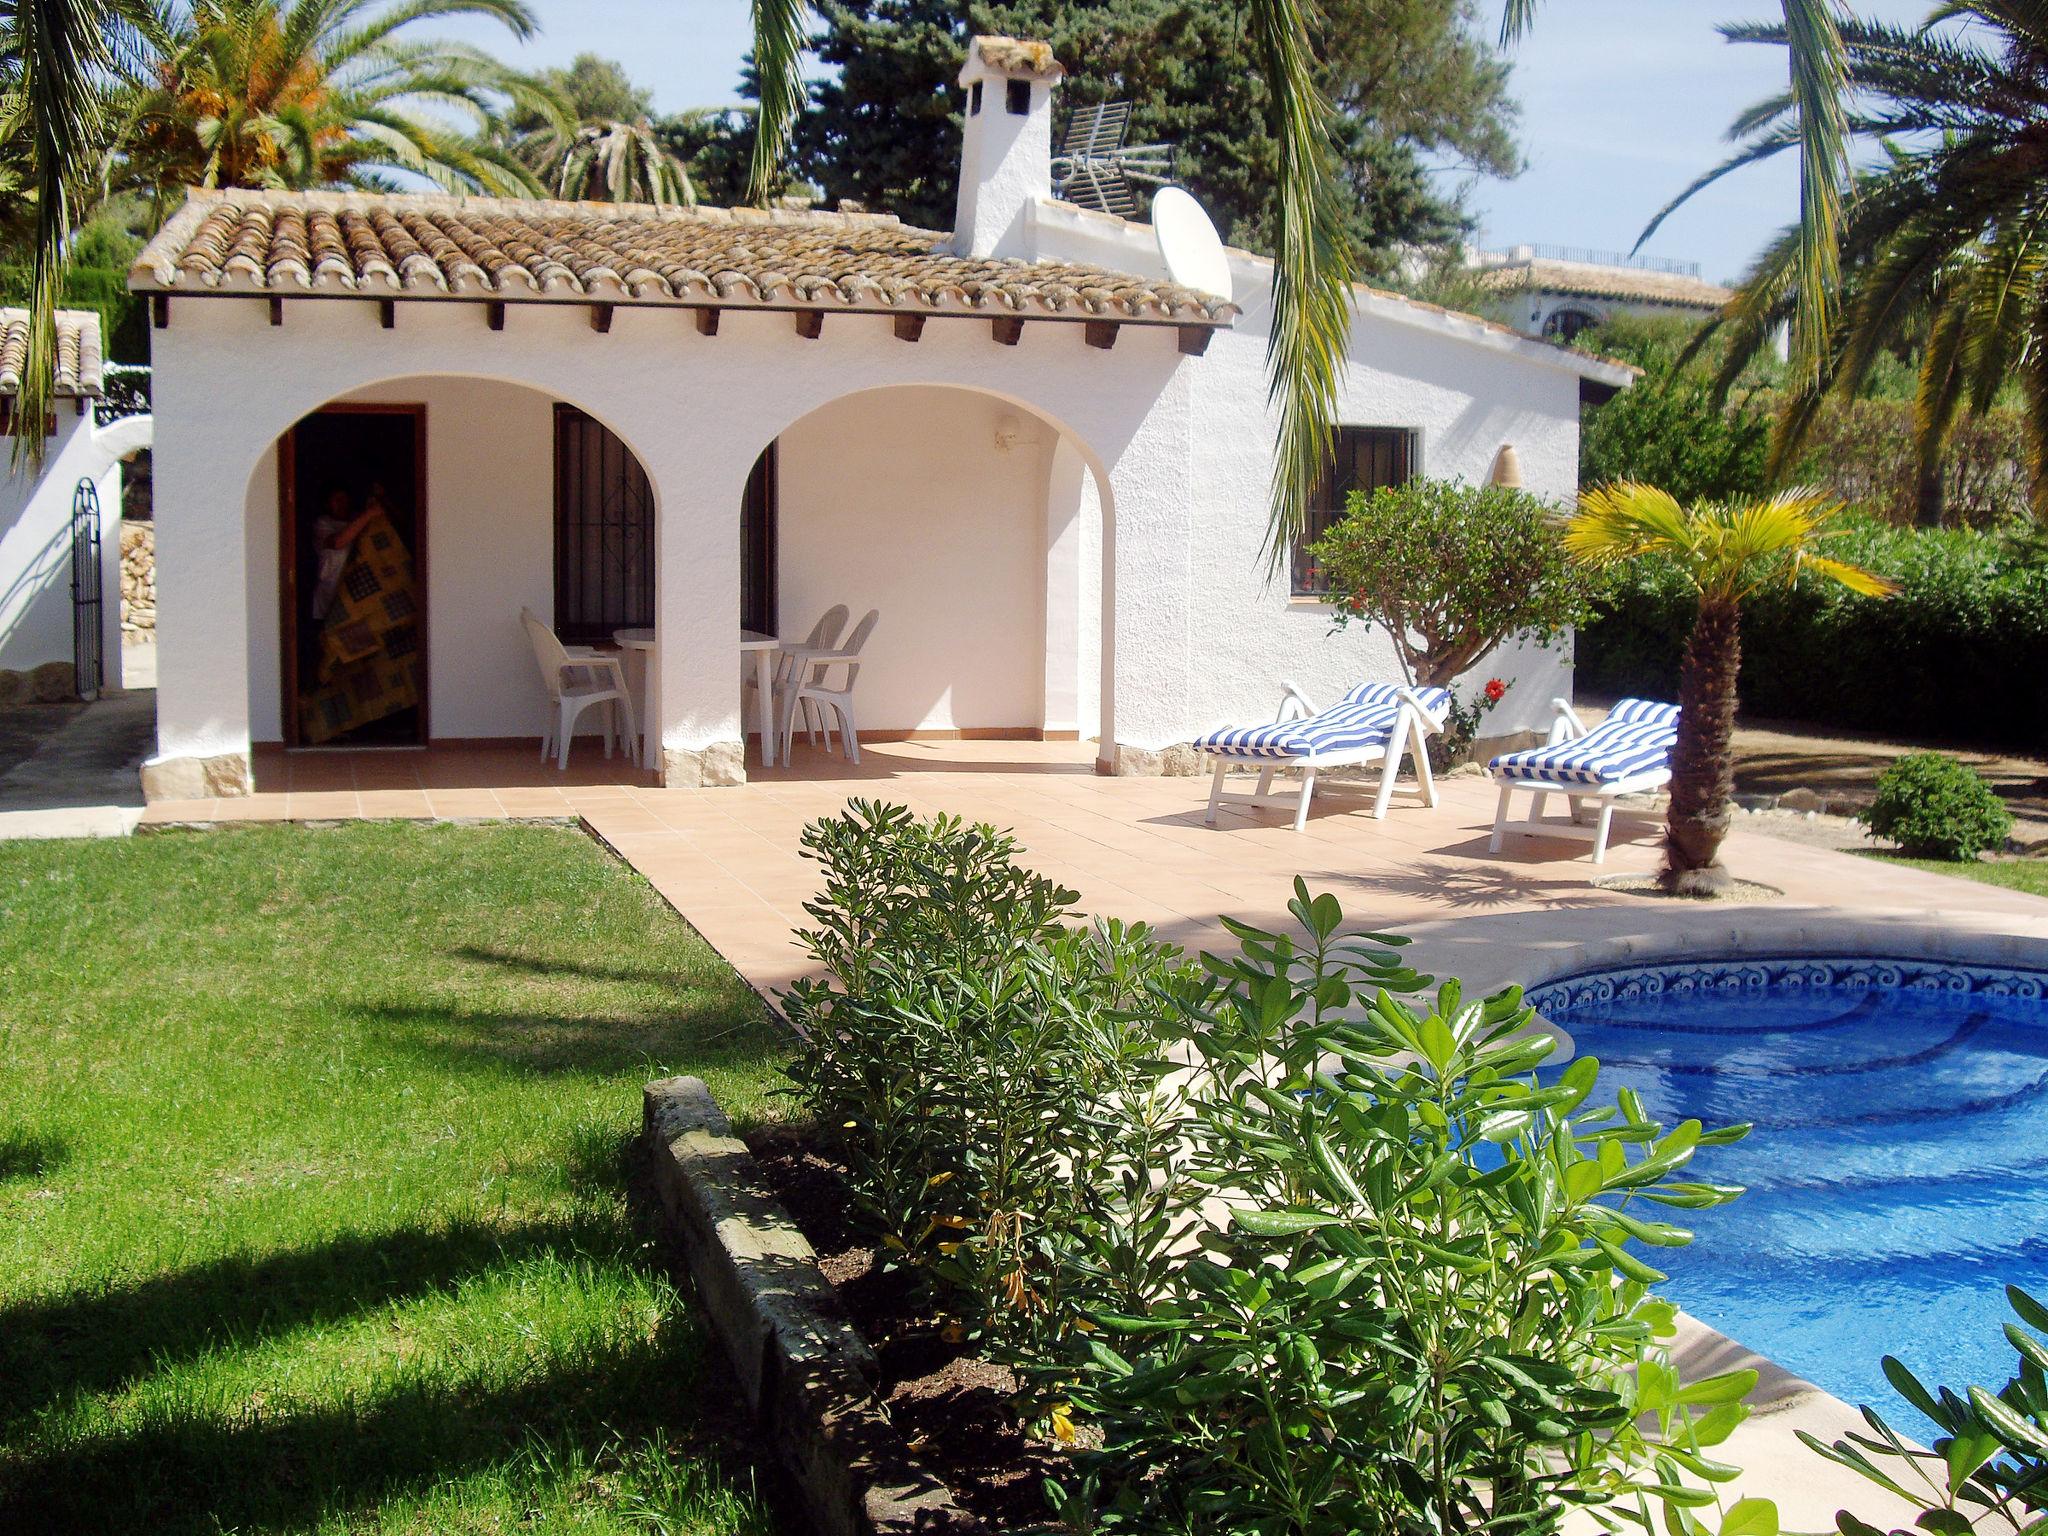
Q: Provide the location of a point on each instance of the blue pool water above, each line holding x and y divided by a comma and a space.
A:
1898, 1172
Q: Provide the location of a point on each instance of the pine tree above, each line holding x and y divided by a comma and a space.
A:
1408, 75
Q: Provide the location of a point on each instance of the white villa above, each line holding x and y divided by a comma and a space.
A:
1044, 463
1557, 292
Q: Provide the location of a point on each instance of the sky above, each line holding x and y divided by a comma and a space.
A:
1622, 103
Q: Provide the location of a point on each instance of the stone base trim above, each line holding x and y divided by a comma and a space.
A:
198, 778
716, 766
805, 1373
1179, 761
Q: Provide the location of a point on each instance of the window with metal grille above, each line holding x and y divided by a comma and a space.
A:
1361, 459
604, 531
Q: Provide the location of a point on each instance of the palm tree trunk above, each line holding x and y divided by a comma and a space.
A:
1931, 494
1703, 761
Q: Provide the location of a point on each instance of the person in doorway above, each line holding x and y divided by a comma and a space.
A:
335, 531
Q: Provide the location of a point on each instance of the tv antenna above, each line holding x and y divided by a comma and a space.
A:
1095, 168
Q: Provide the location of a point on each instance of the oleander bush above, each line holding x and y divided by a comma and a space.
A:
1934, 807
1988, 1466
1959, 653
1293, 1254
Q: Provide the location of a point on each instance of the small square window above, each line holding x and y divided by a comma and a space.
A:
1361, 459
974, 99
1019, 97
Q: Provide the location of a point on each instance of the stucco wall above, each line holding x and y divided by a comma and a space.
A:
490, 551
902, 500
35, 547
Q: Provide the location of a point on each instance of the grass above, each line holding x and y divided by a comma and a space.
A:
2029, 875
313, 1162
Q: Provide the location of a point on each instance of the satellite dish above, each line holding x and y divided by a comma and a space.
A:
1189, 244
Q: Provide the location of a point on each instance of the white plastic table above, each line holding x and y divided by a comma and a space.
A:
762, 648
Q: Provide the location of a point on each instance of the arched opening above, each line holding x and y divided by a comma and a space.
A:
397, 532
973, 526
1565, 323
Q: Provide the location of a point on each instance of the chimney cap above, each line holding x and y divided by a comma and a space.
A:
1012, 57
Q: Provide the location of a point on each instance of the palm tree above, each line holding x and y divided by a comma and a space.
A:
311, 93
1946, 239
1312, 271
623, 163
1724, 553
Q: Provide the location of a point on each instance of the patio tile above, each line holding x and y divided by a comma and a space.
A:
451, 803
322, 805
398, 804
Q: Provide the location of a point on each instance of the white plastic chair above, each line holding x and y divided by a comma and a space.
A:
823, 636
576, 677
812, 688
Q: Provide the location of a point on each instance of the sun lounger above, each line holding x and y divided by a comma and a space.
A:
1375, 722
1628, 753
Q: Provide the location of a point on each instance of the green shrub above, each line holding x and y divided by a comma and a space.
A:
1989, 1465
1934, 807
1668, 429
1451, 570
1961, 652
982, 1063
1304, 1258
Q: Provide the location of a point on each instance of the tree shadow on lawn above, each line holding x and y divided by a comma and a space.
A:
105, 1339
27, 1155
633, 1044
196, 1471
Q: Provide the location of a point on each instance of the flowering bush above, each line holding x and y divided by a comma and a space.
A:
1449, 746
1452, 570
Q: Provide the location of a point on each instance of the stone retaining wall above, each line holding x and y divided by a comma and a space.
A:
138, 579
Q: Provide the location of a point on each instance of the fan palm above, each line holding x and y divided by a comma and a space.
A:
307, 93
1724, 553
1946, 239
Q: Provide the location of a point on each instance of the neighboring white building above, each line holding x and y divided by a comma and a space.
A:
1555, 292
1045, 465
37, 613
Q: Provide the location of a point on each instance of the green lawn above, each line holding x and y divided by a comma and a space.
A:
2030, 875
313, 1156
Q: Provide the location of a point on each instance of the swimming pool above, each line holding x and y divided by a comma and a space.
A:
1898, 1172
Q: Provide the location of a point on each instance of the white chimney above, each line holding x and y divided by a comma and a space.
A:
1005, 143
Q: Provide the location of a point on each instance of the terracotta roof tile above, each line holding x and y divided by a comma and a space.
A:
1018, 56
1600, 282
78, 351
433, 246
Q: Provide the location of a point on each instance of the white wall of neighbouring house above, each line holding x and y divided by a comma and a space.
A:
490, 551
35, 546
928, 505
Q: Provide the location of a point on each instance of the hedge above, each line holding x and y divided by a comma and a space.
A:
1961, 653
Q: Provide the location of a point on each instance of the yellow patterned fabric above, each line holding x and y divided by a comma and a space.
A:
369, 648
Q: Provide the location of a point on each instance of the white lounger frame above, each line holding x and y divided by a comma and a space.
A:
1411, 725
1567, 726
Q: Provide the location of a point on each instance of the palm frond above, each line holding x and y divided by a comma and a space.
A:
1310, 335
64, 57
778, 70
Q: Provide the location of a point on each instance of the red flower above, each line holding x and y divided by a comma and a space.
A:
1495, 690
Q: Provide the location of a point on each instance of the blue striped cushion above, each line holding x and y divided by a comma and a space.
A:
1364, 720
1636, 737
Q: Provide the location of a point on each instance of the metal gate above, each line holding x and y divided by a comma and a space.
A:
87, 631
